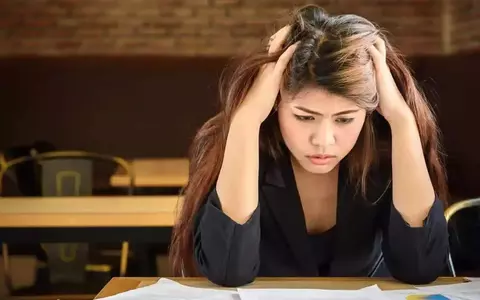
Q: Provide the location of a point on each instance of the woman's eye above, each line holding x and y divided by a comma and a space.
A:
344, 120
304, 118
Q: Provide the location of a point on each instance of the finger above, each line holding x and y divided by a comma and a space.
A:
378, 51
283, 60
376, 56
278, 39
380, 45
266, 68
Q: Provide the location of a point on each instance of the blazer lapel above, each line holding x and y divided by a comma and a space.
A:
349, 205
282, 198
341, 264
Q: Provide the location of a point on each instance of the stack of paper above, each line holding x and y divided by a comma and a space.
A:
168, 289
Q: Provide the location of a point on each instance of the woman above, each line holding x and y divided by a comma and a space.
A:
290, 178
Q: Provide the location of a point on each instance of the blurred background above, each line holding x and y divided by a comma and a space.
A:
135, 79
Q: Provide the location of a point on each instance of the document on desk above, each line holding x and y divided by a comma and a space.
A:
369, 293
171, 290
167, 289
459, 291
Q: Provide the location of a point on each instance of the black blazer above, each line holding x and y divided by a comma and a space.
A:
274, 241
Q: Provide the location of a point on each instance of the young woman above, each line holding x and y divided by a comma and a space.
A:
323, 161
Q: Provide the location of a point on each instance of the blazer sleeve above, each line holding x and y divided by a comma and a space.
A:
226, 252
415, 255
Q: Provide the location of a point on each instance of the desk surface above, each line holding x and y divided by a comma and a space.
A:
122, 284
97, 211
154, 172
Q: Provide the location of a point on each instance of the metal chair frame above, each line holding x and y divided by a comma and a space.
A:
449, 213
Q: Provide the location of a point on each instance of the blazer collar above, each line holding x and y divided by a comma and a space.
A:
282, 197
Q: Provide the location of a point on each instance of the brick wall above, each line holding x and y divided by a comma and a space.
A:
206, 27
466, 25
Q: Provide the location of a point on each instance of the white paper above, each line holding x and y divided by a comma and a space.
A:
473, 278
368, 293
171, 290
460, 291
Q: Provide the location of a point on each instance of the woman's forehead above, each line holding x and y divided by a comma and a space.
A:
312, 97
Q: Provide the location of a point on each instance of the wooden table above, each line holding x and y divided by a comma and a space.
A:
122, 284
91, 211
89, 219
154, 172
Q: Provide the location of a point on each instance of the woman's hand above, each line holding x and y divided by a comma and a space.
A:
261, 97
392, 105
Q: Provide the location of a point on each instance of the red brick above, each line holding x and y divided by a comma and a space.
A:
215, 12
182, 12
245, 12
68, 45
191, 41
121, 31
185, 30
226, 2
152, 31
9, 22
39, 22
225, 21
248, 31
198, 21
215, 31
196, 2
91, 32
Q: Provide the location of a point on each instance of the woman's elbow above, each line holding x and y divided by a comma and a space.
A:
231, 280
230, 277
423, 271
416, 278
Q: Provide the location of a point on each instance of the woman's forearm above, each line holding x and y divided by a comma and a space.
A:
413, 192
237, 184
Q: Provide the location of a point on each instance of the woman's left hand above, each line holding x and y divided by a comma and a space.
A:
392, 105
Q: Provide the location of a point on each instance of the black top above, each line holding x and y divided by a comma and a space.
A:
322, 246
274, 241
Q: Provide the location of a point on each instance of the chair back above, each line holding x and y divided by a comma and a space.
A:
463, 232
67, 177
65, 173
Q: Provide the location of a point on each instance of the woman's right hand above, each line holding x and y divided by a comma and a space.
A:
261, 97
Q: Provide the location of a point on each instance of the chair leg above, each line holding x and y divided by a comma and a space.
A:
6, 268
450, 265
124, 259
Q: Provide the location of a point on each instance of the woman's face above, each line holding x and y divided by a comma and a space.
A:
319, 128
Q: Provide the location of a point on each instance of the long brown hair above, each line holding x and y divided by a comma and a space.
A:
332, 54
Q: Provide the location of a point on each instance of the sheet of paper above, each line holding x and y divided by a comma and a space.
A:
167, 289
460, 291
473, 278
368, 293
